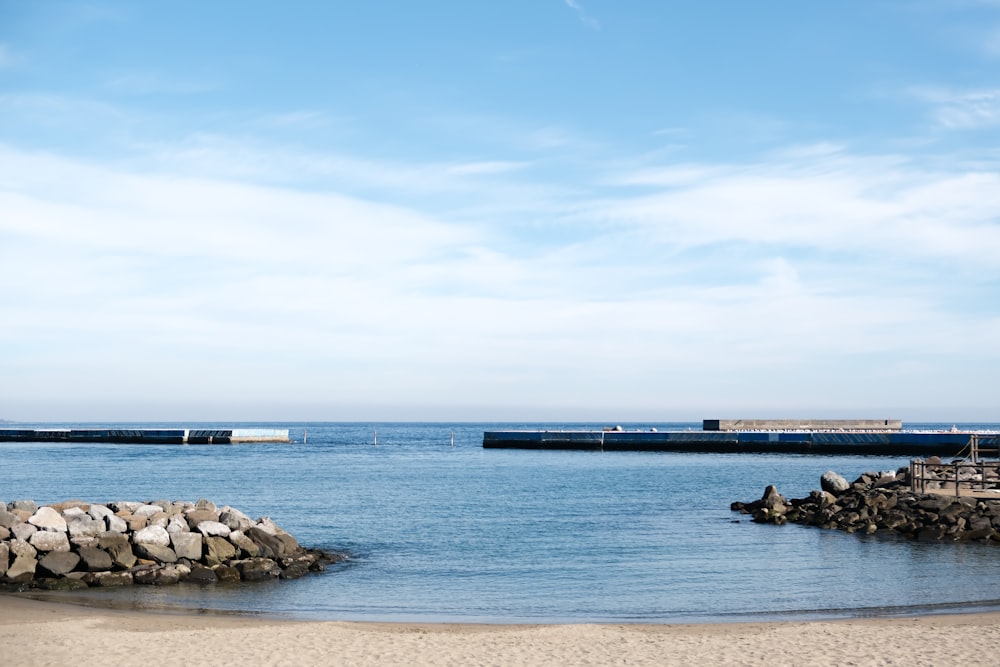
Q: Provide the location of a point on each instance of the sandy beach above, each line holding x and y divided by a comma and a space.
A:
43, 633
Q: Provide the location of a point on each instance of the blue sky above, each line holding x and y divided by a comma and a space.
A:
545, 209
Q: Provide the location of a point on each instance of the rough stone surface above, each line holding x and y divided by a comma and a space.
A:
45, 540
196, 516
47, 518
28, 506
187, 545
115, 523
74, 543
202, 575
248, 548
257, 569
95, 559
218, 550
213, 528
147, 511
156, 552
84, 526
59, 562
226, 573
883, 501
234, 519
22, 569
155, 535
832, 482
8, 519
23, 531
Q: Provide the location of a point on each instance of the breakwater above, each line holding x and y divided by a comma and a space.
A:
894, 443
146, 436
885, 501
79, 545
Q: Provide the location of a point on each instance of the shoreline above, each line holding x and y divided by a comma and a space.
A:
35, 632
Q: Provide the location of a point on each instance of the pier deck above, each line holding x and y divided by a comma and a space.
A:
146, 436
945, 444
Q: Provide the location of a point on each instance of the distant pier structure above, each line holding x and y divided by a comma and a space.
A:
146, 436
802, 424
885, 437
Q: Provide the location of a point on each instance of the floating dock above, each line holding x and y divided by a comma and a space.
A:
146, 436
853, 437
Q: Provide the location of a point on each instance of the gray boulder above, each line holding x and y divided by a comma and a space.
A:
45, 540
4, 558
22, 570
187, 545
156, 552
218, 550
202, 575
196, 516
115, 523
234, 519
213, 529
257, 569
152, 535
99, 512
95, 559
22, 548
8, 519
84, 526
24, 505
23, 531
118, 547
833, 483
248, 548
59, 563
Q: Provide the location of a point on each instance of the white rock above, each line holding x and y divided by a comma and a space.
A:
116, 523
71, 512
213, 528
157, 535
235, 519
268, 526
187, 545
147, 510
100, 512
23, 531
177, 524
47, 518
47, 540
84, 526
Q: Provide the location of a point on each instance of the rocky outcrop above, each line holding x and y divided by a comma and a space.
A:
76, 544
883, 502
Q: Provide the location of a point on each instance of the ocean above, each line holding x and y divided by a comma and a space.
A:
438, 529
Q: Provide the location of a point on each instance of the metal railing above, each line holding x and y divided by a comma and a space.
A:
957, 475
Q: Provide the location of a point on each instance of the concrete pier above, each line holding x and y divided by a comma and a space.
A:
146, 436
802, 424
888, 443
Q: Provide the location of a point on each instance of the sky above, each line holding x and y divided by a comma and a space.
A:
551, 210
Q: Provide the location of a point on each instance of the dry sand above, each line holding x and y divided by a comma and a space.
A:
45, 633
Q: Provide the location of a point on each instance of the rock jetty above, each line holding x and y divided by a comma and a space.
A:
881, 501
75, 544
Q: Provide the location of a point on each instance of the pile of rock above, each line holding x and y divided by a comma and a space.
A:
881, 502
76, 544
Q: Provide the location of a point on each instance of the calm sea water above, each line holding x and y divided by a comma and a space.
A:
437, 532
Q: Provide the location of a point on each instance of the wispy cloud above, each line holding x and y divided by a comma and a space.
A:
7, 57
812, 260
146, 83
963, 110
582, 14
